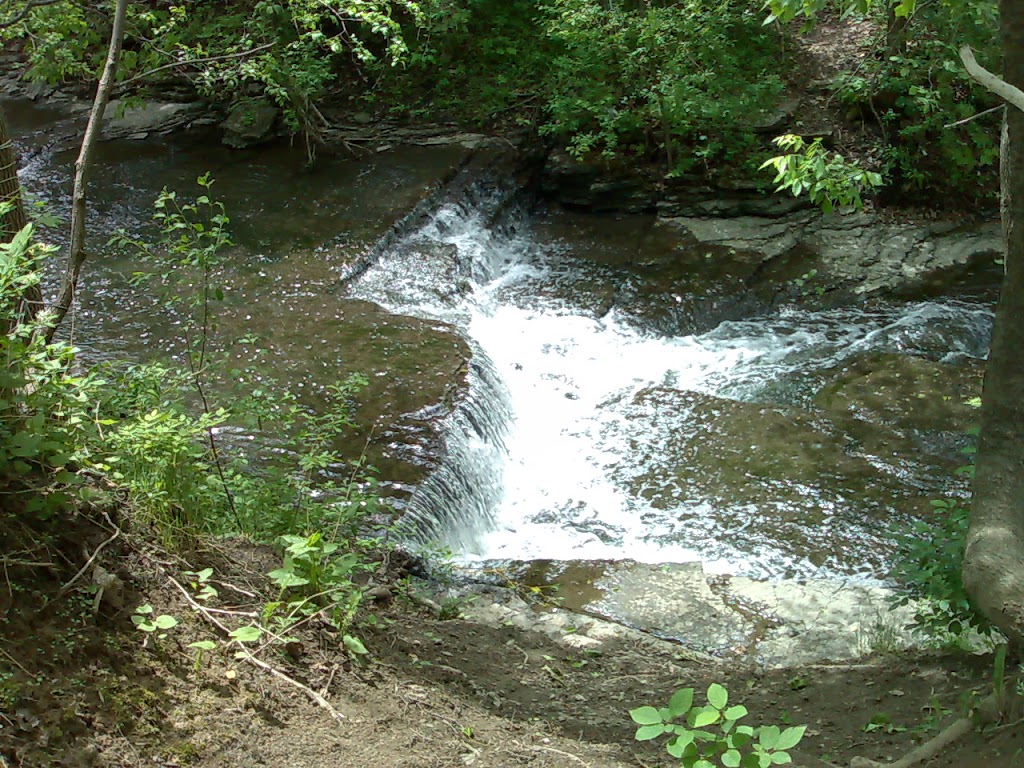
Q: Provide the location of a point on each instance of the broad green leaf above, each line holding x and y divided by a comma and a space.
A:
248, 634
680, 702
648, 732
781, 758
708, 716
354, 645
718, 697
736, 712
203, 645
731, 758
790, 737
768, 736
645, 715
165, 622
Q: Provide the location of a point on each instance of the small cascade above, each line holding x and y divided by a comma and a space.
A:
456, 504
576, 436
439, 271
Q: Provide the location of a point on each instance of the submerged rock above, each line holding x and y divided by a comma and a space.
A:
779, 623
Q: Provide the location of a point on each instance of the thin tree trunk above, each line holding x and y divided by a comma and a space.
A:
993, 569
76, 250
14, 220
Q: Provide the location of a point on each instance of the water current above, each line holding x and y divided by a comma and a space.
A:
562, 451
586, 433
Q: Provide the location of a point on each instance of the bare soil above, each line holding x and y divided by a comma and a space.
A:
83, 687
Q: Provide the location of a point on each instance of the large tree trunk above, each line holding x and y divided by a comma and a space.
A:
993, 567
14, 220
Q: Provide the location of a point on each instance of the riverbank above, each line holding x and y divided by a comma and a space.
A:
436, 688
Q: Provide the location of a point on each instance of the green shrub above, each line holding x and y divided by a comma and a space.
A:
928, 566
685, 79
706, 736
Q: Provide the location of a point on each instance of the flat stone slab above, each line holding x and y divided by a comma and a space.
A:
780, 623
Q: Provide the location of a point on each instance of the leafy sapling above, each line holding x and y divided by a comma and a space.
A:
709, 736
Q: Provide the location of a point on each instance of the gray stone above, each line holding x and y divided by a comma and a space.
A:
249, 122
854, 252
125, 121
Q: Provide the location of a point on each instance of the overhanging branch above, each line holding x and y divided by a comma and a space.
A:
1010, 93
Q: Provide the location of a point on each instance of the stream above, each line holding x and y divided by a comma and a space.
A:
588, 431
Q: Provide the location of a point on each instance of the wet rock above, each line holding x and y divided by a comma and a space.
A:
777, 623
856, 255
126, 121
250, 122
815, 620
772, 121
909, 412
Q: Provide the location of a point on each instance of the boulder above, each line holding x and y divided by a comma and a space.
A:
250, 122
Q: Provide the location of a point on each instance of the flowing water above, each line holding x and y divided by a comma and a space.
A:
586, 432
566, 448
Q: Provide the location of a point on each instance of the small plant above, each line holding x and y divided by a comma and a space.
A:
709, 736
881, 721
827, 178
201, 647
153, 626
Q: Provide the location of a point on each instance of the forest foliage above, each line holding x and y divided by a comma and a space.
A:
678, 84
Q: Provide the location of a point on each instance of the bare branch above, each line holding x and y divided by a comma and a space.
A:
76, 249
193, 62
988, 111
997, 85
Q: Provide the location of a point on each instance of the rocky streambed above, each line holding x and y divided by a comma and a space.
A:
613, 404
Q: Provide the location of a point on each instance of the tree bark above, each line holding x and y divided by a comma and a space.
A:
76, 250
993, 569
15, 219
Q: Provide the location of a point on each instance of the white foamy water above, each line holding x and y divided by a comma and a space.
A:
572, 476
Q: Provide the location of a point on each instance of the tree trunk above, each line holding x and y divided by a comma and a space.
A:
993, 569
14, 220
10, 187
76, 249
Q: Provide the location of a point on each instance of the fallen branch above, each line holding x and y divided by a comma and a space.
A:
987, 712
245, 655
194, 62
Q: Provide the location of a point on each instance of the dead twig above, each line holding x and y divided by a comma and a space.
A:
248, 657
63, 591
988, 111
577, 758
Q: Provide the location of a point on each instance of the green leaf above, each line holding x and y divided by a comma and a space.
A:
354, 645
718, 697
707, 716
681, 702
781, 758
736, 712
248, 634
768, 736
648, 732
790, 737
165, 622
731, 758
645, 715
203, 645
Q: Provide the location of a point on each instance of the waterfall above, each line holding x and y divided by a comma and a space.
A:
579, 428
